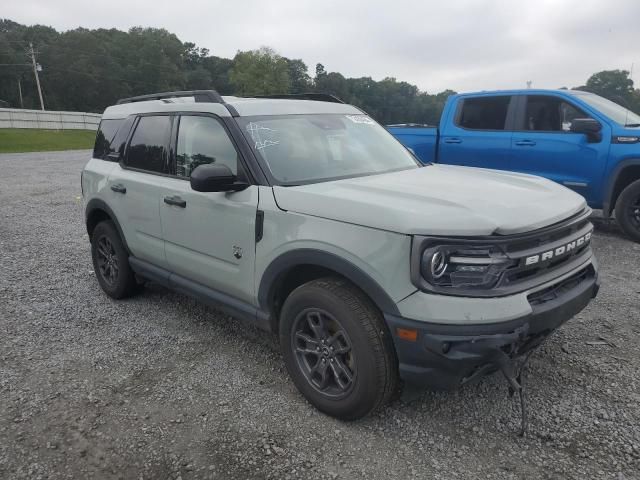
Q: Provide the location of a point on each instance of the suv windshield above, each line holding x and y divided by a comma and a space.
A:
314, 148
615, 112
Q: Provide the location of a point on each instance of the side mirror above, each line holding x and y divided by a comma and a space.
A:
590, 127
215, 178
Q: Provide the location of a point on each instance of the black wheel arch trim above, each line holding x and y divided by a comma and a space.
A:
98, 204
319, 258
609, 201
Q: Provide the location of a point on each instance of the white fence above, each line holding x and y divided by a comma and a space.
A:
19, 118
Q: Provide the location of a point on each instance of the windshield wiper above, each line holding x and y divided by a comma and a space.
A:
632, 125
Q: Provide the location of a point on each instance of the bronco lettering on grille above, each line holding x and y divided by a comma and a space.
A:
558, 251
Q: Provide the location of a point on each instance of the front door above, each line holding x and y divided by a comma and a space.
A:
209, 237
544, 145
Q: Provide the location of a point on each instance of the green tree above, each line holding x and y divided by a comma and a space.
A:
616, 85
260, 72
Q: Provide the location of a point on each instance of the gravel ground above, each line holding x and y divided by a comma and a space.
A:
160, 386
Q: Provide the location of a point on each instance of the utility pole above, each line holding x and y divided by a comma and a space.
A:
20, 92
32, 54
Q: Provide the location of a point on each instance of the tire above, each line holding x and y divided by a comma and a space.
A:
628, 210
111, 262
360, 374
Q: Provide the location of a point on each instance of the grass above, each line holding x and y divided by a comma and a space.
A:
18, 140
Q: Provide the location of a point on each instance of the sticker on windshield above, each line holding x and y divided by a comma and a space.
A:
363, 119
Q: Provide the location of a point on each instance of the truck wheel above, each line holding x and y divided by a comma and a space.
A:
111, 262
628, 210
337, 348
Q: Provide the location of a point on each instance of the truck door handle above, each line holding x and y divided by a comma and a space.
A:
119, 188
525, 143
175, 201
452, 140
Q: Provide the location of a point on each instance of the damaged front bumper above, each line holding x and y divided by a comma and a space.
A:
444, 357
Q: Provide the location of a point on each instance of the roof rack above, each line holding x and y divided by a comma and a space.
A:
200, 96
319, 97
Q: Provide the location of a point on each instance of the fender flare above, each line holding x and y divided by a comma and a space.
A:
98, 204
608, 194
309, 256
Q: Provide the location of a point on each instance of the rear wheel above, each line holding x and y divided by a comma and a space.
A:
111, 262
628, 210
337, 348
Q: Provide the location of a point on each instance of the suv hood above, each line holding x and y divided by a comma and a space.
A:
437, 200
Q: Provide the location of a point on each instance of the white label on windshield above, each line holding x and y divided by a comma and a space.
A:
364, 119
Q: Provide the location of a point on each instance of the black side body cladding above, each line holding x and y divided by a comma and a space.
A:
609, 201
226, 303
306, 256
97, 204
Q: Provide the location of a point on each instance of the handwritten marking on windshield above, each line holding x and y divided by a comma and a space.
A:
266, 143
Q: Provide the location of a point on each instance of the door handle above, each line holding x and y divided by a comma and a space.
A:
452, 140
118, 188
525, 143
175, 201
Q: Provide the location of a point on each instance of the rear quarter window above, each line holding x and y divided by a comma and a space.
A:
111, 137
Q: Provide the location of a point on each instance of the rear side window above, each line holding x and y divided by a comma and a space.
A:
484, 113
106, 132
203, 140
149, 144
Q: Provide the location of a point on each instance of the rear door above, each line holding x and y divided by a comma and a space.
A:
209, 237
478, 134
544, 145
136, 186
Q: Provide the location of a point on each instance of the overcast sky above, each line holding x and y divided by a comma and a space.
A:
461, 45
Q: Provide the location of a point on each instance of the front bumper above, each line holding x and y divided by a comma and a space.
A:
446, 356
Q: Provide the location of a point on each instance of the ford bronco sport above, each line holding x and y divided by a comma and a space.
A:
309, 219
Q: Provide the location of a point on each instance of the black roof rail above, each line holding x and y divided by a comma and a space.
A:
200, 96
319, 97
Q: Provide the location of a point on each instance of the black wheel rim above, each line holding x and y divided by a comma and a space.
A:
324, 352
634, 212
107, 261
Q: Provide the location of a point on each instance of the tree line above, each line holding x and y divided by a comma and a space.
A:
87, 70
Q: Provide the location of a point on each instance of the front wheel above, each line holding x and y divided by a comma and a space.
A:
337, 348
628, 210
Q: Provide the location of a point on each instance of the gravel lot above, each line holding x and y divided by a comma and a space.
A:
160, 386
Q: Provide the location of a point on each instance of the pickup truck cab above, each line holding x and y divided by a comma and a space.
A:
578, 139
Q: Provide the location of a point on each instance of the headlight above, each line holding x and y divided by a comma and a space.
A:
462, 266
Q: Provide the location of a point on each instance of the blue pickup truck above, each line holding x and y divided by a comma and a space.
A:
580, 140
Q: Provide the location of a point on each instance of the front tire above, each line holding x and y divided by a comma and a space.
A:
337, 349
628, 210
111, 262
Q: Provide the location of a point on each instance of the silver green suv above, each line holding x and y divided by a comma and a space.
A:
306, 217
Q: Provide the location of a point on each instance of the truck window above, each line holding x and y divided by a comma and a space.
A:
484, 113
148, 147
203, 140
550, 114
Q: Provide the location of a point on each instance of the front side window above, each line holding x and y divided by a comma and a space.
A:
321, 147
484, 113
550, 114
149, 144
203, 140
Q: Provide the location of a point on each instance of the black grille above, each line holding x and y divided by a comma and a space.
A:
551, 293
